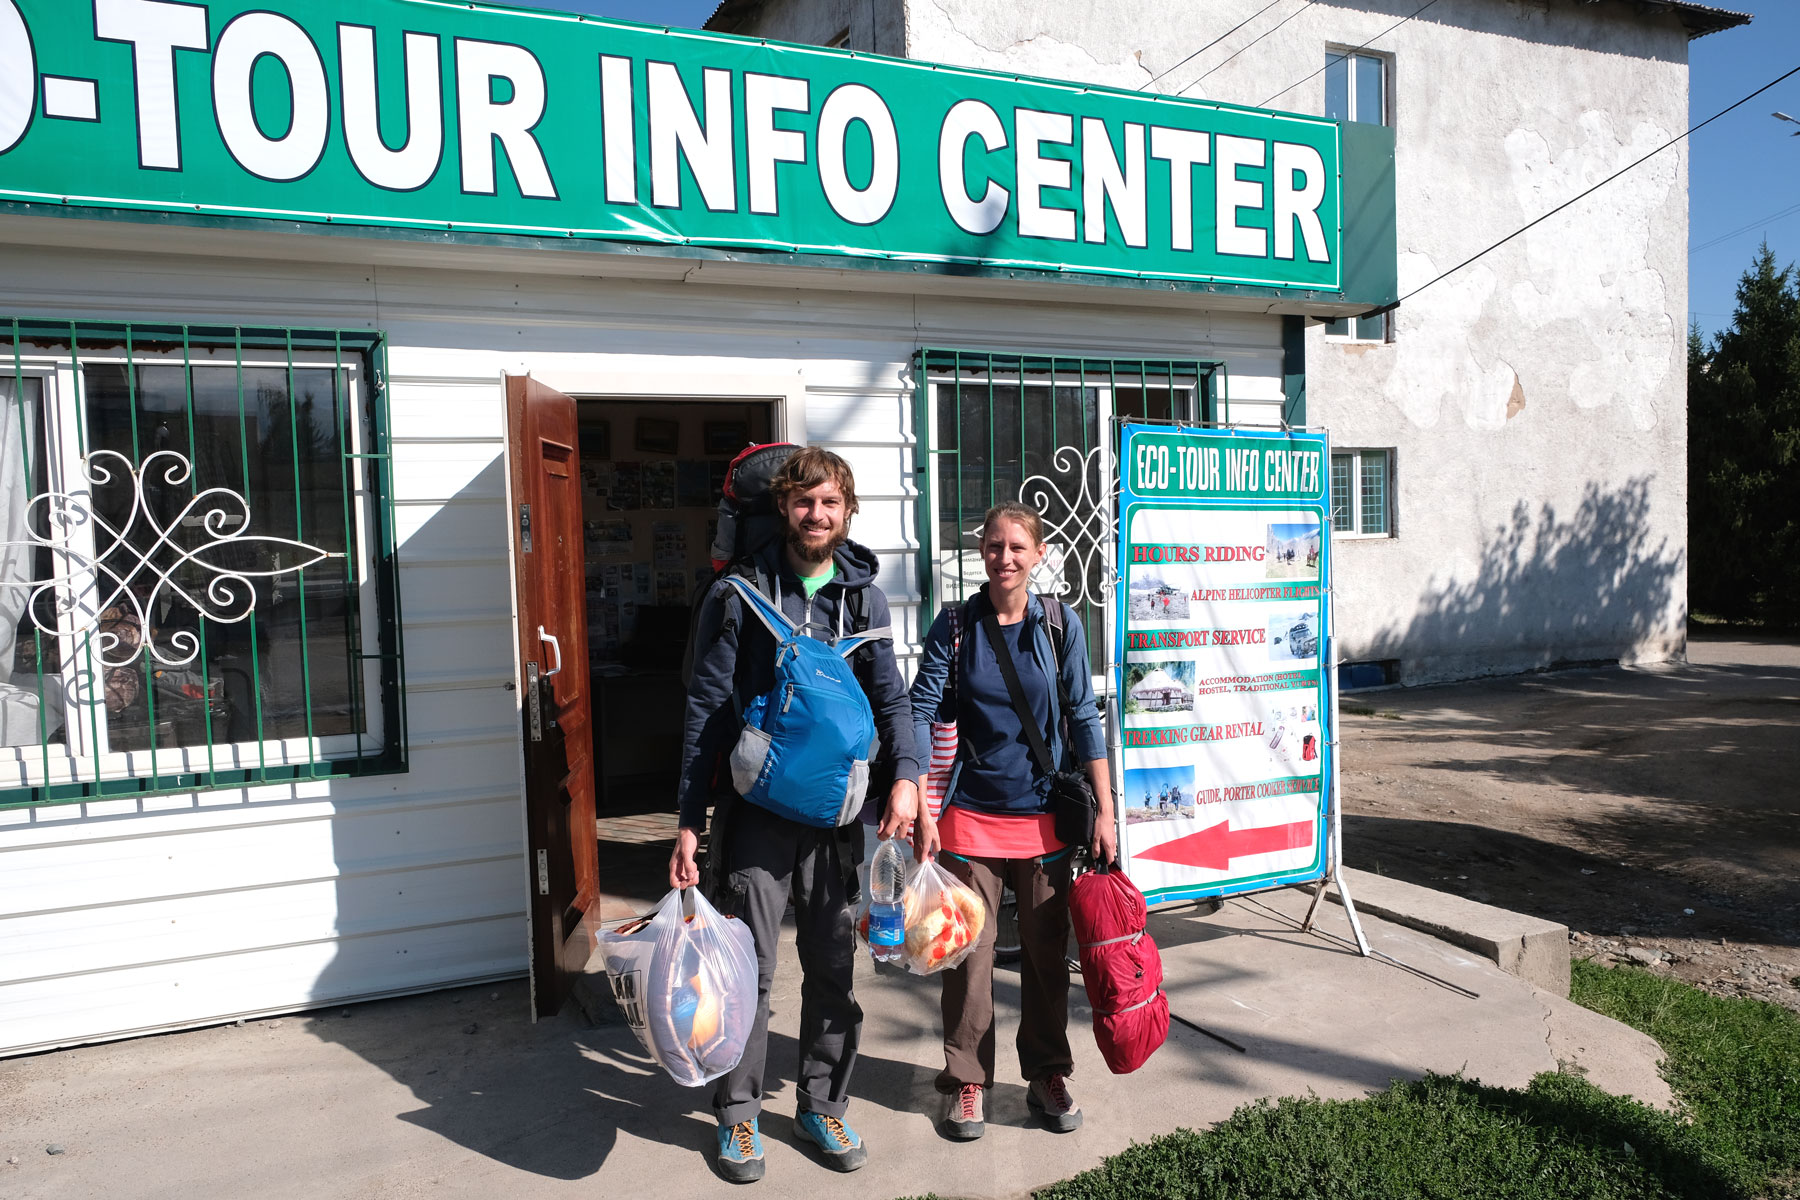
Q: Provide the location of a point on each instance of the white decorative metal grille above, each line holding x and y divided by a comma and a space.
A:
117, 591
1078, 526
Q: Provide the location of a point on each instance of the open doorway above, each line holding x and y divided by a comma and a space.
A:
652, 474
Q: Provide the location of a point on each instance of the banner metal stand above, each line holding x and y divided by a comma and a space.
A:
1335, 840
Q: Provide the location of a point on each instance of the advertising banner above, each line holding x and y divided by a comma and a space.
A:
1224, 559
450, 119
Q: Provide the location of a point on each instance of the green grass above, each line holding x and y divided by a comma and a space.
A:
1734, 1066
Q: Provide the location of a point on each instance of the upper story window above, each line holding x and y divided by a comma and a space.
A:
1361, 329
197, 583
1362, 493
1356, 87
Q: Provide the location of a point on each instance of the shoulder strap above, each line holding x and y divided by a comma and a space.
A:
766, 610
1003, 656
785, 630
1054, 616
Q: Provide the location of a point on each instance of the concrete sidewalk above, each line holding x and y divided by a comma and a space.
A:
400, 1098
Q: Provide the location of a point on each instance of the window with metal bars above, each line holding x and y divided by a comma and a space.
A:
198, 583
1036, 428
1361, 498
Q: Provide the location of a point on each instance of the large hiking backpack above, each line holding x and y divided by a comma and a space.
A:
806, 743
747, 523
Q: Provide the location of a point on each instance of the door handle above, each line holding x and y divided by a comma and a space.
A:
550, 638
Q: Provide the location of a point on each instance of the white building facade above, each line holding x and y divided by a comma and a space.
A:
269, 683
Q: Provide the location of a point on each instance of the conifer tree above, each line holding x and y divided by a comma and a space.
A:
1744, 454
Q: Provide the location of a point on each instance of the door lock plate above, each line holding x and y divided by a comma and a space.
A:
543, 857
534, 703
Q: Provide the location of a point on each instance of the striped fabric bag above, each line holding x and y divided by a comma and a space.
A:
943, 733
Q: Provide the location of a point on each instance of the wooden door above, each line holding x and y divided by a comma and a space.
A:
561, 855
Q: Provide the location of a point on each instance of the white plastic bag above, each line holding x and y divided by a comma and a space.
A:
687, 985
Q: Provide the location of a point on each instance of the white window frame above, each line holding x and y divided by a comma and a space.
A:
1355, 455
1386, 62
85, 756
1350, 337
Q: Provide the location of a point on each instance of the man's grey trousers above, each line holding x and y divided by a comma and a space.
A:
765, 857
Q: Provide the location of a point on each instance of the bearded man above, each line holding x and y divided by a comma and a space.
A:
757, 858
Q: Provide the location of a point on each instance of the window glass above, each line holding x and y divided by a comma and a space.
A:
30, 698
1373, 487
1359, 329
244, 646
1341, 468
1367, 106
1337, 87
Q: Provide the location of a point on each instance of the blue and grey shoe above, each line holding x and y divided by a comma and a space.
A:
740, 1152
836, 1141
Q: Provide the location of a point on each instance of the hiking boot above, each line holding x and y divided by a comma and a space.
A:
835, 1141
1050, 1102
963, 1116
740, 1157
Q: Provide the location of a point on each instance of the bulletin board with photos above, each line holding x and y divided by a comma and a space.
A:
652, 474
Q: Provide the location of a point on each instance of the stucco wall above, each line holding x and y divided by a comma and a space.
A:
1536, 401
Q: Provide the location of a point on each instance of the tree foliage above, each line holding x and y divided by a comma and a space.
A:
1744, 454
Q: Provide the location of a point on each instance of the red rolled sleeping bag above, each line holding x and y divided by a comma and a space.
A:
1121, 967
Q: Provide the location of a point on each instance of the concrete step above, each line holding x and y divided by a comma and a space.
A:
1532, 948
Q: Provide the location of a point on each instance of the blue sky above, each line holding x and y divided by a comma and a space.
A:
1743, 170
1745, 166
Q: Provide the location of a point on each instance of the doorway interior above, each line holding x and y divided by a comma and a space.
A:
652, 475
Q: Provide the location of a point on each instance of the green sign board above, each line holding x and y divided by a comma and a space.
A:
463, 118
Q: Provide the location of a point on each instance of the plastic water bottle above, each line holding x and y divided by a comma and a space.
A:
887, 910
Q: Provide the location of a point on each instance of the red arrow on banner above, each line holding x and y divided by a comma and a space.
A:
1214, 848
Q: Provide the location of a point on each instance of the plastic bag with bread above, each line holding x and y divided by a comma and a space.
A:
944, 920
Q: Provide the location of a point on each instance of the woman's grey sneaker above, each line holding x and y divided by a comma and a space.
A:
740, 1157
1050, 1101
963, 1118
836, 1142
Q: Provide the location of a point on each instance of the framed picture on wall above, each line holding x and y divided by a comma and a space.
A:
726, 437
596, 439
656, 435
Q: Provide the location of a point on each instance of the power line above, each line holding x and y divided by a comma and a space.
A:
1202, 50
1259, 37
1741, 230
1590, 191
1397, 24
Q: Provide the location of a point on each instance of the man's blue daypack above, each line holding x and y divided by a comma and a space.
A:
805, 749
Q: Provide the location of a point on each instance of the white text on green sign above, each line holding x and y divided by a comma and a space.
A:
414, 113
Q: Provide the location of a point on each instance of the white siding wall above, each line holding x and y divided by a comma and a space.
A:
137, 915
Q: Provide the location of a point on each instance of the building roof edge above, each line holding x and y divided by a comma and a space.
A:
1700, 19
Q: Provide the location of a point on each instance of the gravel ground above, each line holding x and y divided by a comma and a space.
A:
1654, 811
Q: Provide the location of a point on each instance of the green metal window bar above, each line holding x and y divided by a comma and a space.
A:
199, 582
995, 427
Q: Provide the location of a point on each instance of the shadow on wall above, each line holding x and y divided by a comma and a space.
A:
1600, 585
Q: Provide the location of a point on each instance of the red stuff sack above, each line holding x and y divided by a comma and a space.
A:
1121, 967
